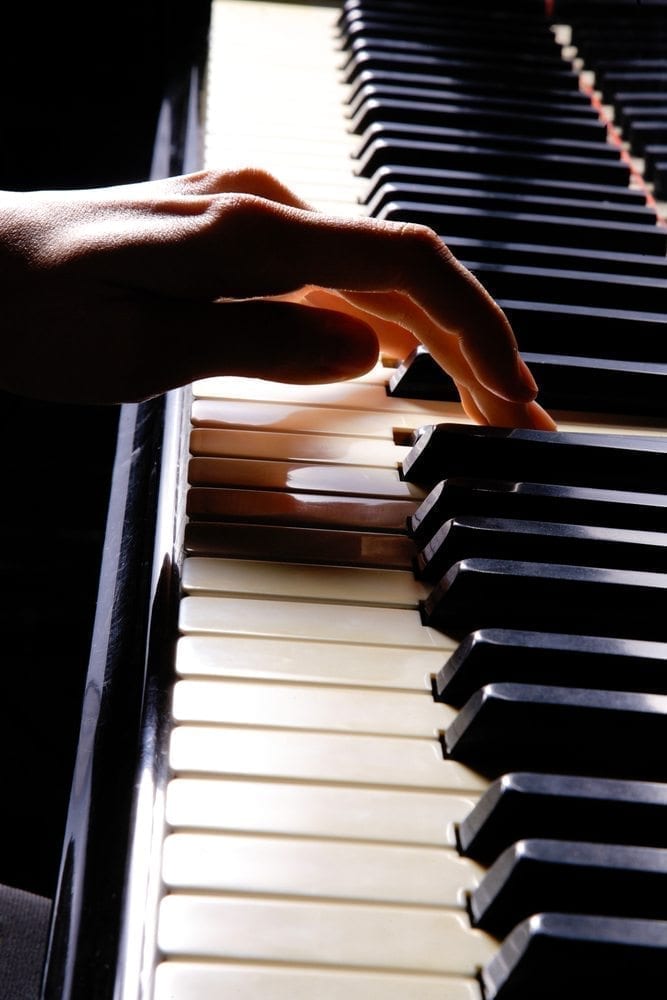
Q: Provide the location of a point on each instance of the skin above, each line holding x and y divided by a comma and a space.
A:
117, 294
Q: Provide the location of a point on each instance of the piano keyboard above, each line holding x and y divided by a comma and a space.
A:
310, 847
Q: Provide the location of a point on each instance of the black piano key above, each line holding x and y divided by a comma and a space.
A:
500, 655
540, 541
563, 807
660, 177
591, 288
608, 461
527, 226
525, 89
598, 385
645, 132
549, 955
537, 876
556, 76
570, 258
448, 27
552, 328
404, 175
412, 111
560, 730
512, 142
541, 501
654, 153
455, 42
544, 109
629, 81
467, 156
497, 593
523, 197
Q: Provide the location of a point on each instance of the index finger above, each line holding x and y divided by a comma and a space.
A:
365, 255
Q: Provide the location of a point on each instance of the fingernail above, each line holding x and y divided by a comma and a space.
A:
527, 384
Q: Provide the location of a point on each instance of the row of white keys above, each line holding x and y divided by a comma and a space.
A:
311, 814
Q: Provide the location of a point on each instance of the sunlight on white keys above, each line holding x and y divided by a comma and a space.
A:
288, 119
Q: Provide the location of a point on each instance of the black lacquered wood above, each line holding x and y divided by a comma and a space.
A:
527, 804
383, 152
427, 78
556, 75
371, 88
540, 541
560, 730
372, 111
458, 496
547, 327
424, 179
495, 593
509, 655
548, 953
597, 385
529, 226
537, 876
555, 143
607, 461
480, 192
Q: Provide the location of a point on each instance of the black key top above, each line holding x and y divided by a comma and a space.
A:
542, 109
468, 156
496, 593
551, 658
598, 385
609, 461
402, 176
525, 89
540, 541
551, 77
452, 30
537, 876
530, 727
527, 226
516, 142
372, 111
563, 807
540, 501
550, 955
538, 202
550, 328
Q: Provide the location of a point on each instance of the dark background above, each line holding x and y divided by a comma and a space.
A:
80, 91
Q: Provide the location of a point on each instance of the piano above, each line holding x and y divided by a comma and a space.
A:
300, 772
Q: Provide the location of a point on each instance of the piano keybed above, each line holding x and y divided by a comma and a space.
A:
311, 813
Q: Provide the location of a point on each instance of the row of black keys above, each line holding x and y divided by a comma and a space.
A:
489, 679
578, 265
626, 49
571, 725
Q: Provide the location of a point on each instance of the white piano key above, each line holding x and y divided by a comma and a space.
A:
358, 395
356, 935
297, 447
329, 869
306, 510
342, 480
293, 706
360, 585
294, 660
303, 620
180, 980
334, 811
307, 419
310, 662
295, 755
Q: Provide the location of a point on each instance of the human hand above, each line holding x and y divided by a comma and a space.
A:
121, 293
